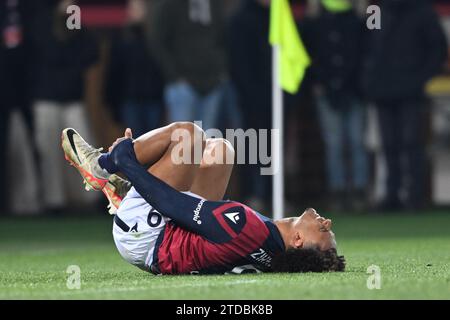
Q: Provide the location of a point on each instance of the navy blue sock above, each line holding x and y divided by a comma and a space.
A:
107, 164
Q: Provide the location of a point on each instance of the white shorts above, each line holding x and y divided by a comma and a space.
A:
136, 245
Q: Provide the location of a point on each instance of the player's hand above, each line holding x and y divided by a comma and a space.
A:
128, 134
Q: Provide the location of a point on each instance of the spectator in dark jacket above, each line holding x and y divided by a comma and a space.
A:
188, 39
409, 49
63, 57
334, 40
250, 67
16, 54
134, 81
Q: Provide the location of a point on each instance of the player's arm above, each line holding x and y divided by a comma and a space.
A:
180, 207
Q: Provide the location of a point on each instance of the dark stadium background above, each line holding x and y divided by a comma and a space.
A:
105, 16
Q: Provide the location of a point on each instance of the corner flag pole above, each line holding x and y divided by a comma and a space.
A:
289, 63
277, 139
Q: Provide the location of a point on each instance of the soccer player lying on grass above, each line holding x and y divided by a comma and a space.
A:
173, 219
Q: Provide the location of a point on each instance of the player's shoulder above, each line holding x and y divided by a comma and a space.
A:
238, 210
237, 216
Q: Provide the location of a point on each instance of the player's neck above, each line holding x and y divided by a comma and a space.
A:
286, 227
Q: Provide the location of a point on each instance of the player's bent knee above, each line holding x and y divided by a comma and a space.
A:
229, 147
194, 131
219, 151
190, 138
186, 125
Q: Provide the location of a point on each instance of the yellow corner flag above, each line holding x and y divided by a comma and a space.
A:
294, 58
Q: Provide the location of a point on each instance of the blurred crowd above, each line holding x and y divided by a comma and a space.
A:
210, 61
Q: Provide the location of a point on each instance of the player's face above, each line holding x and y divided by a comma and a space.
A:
316, 230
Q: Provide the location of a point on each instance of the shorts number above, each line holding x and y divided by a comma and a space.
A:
154, 218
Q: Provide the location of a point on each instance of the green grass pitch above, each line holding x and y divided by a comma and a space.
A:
412, 251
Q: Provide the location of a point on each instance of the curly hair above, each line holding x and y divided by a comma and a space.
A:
308, 260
